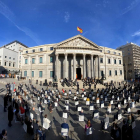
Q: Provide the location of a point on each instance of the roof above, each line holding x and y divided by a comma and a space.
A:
14, 42
123, 46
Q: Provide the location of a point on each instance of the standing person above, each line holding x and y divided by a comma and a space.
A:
10, 115
5, 102
88, 129
124, 130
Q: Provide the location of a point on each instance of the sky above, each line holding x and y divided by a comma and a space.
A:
109, 23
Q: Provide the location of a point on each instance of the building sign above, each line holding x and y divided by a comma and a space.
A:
79, 51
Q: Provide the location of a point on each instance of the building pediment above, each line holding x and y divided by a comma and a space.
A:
77, 42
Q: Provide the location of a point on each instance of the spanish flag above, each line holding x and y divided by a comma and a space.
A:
79, 29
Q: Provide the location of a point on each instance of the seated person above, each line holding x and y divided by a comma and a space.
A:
3, 135
88, 99
128, 106
46, 120
64, 126
95, 111
81, 112
119, 112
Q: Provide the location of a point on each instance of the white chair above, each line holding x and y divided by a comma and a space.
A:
129, 98
105, 99
65, 94
118, 99
89, 131
132, 104
65, 115
69, 92
67, 107
93, 98
119, 116
87, 102
66, 101
64, 132
102, 105
128, 110
119, 105
112, 96
49, 97
38, 98
56, 104
101, 96
79, 108
82, 95
77, 92
124, 101
81, 118
91, 107
85, 98
111, 102
75, 97
96, 115
77, 103
45, 101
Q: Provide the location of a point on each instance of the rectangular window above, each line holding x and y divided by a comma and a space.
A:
115, 72
101, 60
26, 51
9, 57
26, 61
9, 64
32, 73
5, 63
51, 73
41, 49
114, 61
109, 72
13, 58
120, 72
51, 48
33, 50
25, 73
40, 73
40, 60
33, 60
119, 61
5, 56
13, 64
51, 59
109, 61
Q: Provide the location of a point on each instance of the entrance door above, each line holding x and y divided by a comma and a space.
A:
78, 73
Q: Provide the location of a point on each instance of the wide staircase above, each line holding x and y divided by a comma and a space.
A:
100, 86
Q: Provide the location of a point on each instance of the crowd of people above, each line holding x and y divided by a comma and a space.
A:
26, 103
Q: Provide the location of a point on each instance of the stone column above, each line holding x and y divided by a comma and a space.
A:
99, 71
84, 66
57, 66
74, 66
92, 69
96, 67
66, 66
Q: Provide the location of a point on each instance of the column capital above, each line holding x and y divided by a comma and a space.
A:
65, 54
74, 54
84, 54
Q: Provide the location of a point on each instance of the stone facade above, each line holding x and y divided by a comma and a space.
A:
76, 57
131, 60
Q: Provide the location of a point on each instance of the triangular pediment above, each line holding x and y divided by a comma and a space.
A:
78, 42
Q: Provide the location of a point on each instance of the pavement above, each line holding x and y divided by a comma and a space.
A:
76, 128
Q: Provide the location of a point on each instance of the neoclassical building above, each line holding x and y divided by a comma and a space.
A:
76, 57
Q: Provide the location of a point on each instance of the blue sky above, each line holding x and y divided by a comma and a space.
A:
109, 23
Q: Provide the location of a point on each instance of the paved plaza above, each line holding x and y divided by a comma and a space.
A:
76, 130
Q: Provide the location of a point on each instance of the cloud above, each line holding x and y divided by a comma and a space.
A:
6, 12
130, 7
67, 17
137, 33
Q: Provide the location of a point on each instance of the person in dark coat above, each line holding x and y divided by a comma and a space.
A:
5, 102
124, 130
10, 115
